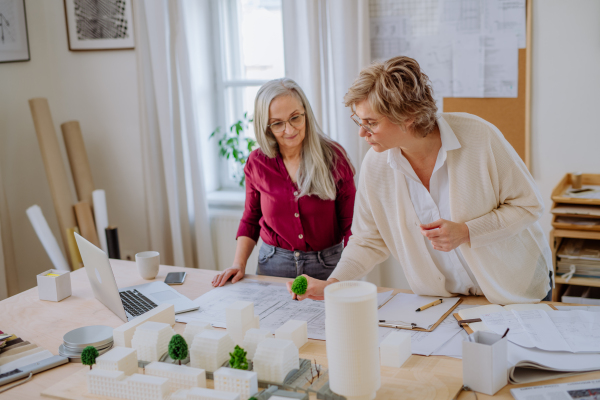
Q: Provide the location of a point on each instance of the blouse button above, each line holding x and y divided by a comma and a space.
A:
300, 236
295, 193
296, 215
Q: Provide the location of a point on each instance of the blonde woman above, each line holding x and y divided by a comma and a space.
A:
299, 191
445, 194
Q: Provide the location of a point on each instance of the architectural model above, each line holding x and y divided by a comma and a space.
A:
151, 340
119, 359
245, 383
252, 338
239, 318
123, 334
210, 349
295, 331
351, 334
134, 387
395, 349
179, 376
204, 394
193, 328
275, 358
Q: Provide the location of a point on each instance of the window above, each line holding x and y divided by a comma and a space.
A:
250, 53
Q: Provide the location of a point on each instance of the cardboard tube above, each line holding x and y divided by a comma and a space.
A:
112, 240
56, 173
47, 238
101, 216
78, 159
576, 180
74, 253
85, 220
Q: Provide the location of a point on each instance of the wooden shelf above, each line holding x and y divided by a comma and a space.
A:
579, 281
570, 233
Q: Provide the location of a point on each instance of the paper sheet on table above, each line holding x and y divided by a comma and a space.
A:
581, 308
272, 303
453, 347
401, 310
567, 391
383, 297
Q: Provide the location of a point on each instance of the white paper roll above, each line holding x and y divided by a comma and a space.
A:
47, 238
101, 216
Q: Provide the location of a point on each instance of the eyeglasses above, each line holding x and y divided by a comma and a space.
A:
358, 121
297, 121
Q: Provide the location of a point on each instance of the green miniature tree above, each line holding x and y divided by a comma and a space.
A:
88, 356
300, 284
238, 358
178, 348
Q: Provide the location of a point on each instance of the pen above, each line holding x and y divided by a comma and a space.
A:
426, 306
507, 329
397, 326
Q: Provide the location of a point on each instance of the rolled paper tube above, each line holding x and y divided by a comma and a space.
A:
112, 241
74, 253
85, 220
58, 180
47, 238
576, 180
78, 159
101, 216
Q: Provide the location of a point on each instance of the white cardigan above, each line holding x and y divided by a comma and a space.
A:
491, 190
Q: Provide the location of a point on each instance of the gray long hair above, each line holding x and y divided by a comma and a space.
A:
317, 174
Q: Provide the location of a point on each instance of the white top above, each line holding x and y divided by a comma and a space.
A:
433, 205
490, 189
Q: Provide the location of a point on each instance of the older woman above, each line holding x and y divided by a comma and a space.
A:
299, 191
445, 194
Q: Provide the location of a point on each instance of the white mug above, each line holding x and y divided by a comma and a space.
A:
147, 262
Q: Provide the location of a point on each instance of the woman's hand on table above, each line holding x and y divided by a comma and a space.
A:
235, 272
445, 235
315, 289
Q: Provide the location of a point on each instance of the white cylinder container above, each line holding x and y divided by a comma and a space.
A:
352, 340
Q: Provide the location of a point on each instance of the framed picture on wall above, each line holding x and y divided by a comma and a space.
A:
99, 24
14, 42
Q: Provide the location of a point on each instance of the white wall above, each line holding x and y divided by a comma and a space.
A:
98, 88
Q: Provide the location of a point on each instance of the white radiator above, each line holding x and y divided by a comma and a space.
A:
224, 224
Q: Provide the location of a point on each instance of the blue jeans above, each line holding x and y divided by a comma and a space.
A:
275, 261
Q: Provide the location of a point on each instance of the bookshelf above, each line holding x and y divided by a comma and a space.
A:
587, 226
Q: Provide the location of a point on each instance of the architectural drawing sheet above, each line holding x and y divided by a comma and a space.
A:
468, 48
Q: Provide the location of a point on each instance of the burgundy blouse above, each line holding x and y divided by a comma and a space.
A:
306, 224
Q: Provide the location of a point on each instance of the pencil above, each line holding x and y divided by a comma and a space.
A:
426, 306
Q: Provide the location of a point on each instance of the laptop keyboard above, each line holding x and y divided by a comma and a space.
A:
136, 303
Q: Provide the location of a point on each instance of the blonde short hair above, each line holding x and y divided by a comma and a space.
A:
319, 168
399, 90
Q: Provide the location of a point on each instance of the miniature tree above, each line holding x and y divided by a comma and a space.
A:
238, 358
300, 284
88, 356
178, 348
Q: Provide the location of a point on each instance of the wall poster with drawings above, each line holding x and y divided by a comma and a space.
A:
14, 42
99, 24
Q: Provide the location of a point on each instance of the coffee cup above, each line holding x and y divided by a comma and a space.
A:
147, 263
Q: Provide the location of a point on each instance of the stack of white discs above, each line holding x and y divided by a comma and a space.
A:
352, 340
98, 336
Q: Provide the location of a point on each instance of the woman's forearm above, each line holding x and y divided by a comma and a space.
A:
244, 248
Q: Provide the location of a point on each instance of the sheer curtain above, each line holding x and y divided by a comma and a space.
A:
172, 125
326, 45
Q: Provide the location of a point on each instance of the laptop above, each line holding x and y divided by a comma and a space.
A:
130, 302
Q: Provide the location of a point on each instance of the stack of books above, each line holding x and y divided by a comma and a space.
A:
581, 254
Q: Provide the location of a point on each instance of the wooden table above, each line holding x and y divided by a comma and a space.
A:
44, 323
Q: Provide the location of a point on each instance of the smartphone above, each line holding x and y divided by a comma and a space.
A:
175, 278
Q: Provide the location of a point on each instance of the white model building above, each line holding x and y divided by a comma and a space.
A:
135, 387
352, 339
179, 376
119, 359
395, 349
252, 338
274, 359
295, 331
204, 394
236, 380
211, 349
192, 329
239, 317
151, 340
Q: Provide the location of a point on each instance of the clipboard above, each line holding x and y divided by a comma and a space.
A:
421, 303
